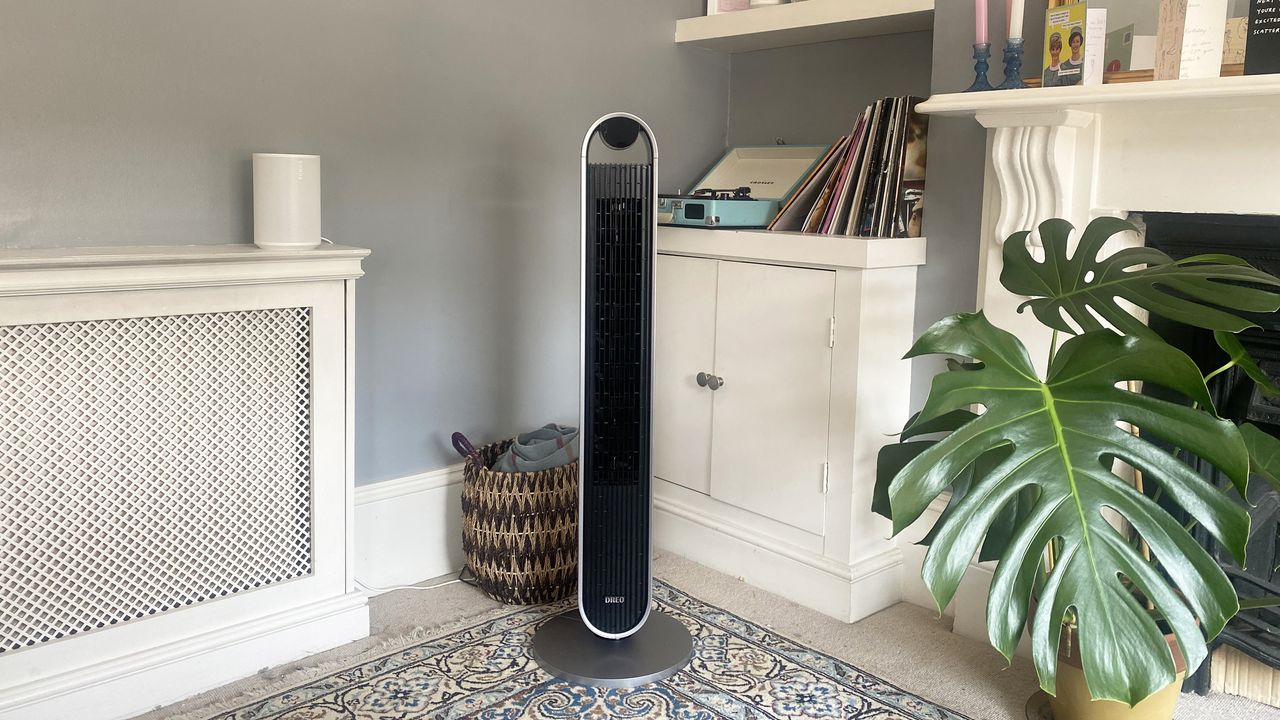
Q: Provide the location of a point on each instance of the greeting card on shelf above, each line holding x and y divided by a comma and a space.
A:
715, 7
1203, 38
1262, 54
1119, 51
1170, 28
1237, 36
1064, 45
1095, 43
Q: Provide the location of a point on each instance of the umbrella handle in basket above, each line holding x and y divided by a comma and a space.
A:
466, 449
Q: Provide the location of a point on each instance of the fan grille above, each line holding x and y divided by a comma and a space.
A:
615, 460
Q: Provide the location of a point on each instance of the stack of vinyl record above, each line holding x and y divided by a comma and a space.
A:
871, 182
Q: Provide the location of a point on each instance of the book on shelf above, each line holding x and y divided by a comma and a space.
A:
871, 182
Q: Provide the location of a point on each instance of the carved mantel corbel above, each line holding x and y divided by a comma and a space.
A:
1043, 167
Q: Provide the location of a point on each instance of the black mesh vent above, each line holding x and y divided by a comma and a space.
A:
615, 458
1253, 238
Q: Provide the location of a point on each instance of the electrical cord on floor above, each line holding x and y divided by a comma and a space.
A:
370, 588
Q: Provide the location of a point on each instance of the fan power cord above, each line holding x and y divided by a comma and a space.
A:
370, 588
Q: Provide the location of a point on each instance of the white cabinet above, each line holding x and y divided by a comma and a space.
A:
769, 476
685, 345
753, 435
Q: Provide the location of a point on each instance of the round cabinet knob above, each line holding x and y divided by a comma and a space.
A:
715, 382
702, 379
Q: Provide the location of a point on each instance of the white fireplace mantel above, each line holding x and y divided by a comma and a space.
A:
1175, 146
1189, 146
1258, 91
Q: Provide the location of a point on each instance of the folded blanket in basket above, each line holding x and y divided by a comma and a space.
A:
547, 447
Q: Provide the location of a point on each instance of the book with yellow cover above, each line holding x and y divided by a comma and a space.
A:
1064, 28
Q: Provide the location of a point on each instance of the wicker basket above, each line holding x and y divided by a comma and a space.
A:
520, 530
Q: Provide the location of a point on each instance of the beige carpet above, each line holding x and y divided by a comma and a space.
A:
905, 644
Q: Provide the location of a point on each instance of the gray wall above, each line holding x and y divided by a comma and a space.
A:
957, 158
1144, 14
812, 94
449, 134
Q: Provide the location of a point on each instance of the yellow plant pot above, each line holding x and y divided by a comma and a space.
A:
1073, 701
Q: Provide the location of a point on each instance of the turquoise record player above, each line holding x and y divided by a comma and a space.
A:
745, 189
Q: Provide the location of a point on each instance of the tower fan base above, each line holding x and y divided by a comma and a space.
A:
565, 648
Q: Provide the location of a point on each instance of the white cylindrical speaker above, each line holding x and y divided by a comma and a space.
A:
286, 201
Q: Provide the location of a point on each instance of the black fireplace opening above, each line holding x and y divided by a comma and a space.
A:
1256, 239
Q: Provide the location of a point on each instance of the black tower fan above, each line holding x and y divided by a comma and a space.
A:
613, 640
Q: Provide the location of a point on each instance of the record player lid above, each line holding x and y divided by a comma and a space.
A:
772, 172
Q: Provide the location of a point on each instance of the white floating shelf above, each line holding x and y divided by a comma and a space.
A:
817, 251
1251, 91
801, 23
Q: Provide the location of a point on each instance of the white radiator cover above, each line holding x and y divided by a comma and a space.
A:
175, 471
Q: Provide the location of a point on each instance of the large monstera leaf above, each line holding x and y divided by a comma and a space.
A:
1058, 438
1200, 291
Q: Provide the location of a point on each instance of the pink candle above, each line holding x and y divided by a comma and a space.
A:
980, 17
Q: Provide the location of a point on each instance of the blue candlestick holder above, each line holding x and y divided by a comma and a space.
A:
981, 53
1012, 65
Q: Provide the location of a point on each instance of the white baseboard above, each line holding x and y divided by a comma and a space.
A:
169, 673
409, 529
846, 592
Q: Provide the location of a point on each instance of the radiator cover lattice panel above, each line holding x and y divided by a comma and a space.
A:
148, 464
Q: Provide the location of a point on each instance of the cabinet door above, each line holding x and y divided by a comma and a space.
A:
684, 345
770, 416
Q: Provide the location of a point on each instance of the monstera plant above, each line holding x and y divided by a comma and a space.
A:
1041, 469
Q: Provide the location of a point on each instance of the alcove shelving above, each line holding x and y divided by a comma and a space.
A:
799, 332
804, 22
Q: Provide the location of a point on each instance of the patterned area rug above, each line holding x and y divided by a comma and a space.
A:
740, 670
